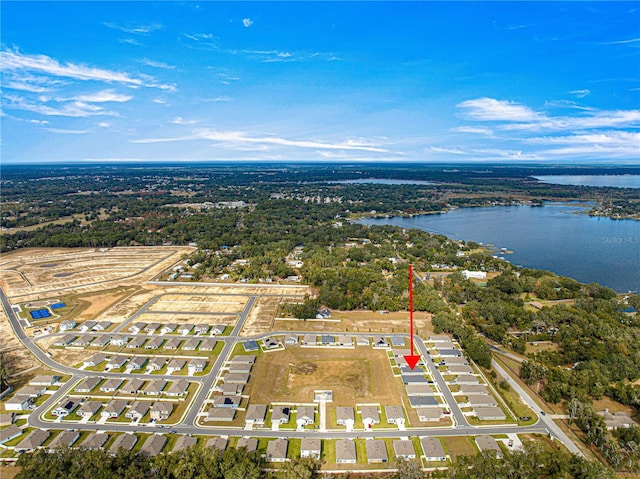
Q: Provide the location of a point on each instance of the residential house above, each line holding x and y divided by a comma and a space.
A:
185, 329
153, 446
175, 365
404, 449
33, 441
67, 324
432, 449
168, 328
305, 416
116, 362
449, 352
291, 339
362, 341
45, 380
102, 326
271, 343
64, 340
207, 344
151, 328
280, 414
419, 389
86, 326
397, 341
125, 442
154, 343
230, 389
236, 378
196, 366
136, 342
460, 369
376, 451
429, 414
89, 408
156, 363
136, 328
218, 329
178, 388
95, 360
10, 433
7, 418
250, 346
31, 391
395, 415
489, 413
345, 340
380, 342
370, 416
138, 410
201, 329
110, 385
617, 420
114, 408
473, 389
217, 443
481, 400
65, 407
220, 414
184, 442
256, 414
82, 341
137, 362
172, 343
132, 386
249, 443
327, 340
243, 359
345, 416
488, 443
466, 379
423, 401
94, 441
345, 451
101, 341
310, 447
119, 340
232, 402
161, 410
240, 368
155, 387
309, 339
64, 439
191, 344
277, 450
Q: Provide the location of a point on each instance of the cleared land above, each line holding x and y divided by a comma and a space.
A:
355, 375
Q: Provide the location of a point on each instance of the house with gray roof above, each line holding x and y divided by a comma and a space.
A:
45, 380
220, 414
101, 341
466, 379
419, 389
138, 410
345, 416
136, 342
488, 443
33, 441
125, 441
114, 408
432, 449
277, 450
154, 387
119, 340
116, 362
151, 328
395, 415
95, 360
232, 402
256, 414
154, 343
489, 413
102, 325
218, 329
19, 402
89, 408
460, 369
32, 391
240, 368
230, 389
250, 346
196, 366
423, 401
191, 344
429, 414
175, 365
110, 385
207, 344
305, 416
249, 443
370, 416
64, 340
64, 439
86, 326
243, 359
376, 451
310, 447
473, 389
156, 363
65, 407
168, 328
132, 386
137, 362
403, 449
201, 329
185, 329
236, 378
94, 441
217, 443
481, 400
345, 451
178, 388
280, 414
161, 410
136, 328
9, 433
172, 343
184, 442
88, 384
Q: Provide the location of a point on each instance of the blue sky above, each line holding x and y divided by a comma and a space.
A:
329, 81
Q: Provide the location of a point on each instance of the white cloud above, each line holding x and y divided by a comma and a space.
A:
15, 61
134, 29
478, 130
178, 120
581, 93
247, 22
66, 132
157, 64
232, 139
450, 151
72, 109
490, 109
103, 96
131, 41
160, 101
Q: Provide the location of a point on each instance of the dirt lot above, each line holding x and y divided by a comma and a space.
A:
261, 317
218, 303
18, 358
31, 273
355, 375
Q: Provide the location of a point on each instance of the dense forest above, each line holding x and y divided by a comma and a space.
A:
196, 463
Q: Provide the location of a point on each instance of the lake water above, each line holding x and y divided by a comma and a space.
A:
616, 181
552, 237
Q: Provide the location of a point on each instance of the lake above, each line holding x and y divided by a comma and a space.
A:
552, 237
615, 181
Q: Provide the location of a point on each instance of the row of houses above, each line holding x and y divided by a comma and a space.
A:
158, 411
175, 328
134, 386
226, 404
24, 398
151, 363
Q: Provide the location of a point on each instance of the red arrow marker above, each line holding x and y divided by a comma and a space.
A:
411, 359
